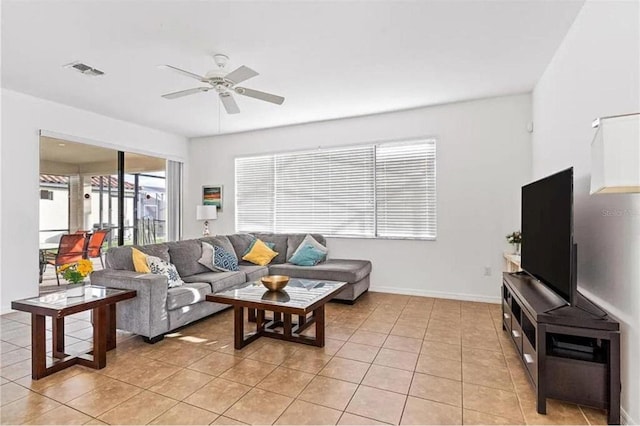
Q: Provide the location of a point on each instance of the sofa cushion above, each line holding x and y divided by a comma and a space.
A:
347, 270
185, 255
280, 245
294, 241
219, 281
120, 257
187, 294
254, 272
241, 243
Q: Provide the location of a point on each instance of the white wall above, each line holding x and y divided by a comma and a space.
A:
595, 73
483, 157
22, 118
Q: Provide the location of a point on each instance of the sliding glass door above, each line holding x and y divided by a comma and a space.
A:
150, 207
85, 188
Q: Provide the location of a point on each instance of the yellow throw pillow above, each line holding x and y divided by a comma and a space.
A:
140, 261
260, 254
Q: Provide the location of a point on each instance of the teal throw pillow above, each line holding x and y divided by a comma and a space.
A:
223, 260
307, 255
308, 239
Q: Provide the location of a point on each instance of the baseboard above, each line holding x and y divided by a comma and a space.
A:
625, 419
437, 294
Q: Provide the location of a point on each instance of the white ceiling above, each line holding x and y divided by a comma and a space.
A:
57, 153
63, 151
329, 59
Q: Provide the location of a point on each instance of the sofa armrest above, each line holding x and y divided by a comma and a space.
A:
145, 314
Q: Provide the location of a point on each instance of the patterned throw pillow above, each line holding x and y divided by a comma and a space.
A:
224, 261
161, 267
307, 255
260, 254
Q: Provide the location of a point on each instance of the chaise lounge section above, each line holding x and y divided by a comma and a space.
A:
158, 309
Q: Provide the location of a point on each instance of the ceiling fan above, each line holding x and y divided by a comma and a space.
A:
224, 83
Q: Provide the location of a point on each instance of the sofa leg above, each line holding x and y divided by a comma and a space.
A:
153, 340
344, 301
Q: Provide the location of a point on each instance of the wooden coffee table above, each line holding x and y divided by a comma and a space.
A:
57, 305
300, 298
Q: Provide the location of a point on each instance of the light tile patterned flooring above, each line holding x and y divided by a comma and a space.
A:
388, 359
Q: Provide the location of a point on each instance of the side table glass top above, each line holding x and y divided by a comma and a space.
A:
60, 299
299, 293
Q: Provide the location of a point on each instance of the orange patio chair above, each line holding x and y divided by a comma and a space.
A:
94, 248
70, 250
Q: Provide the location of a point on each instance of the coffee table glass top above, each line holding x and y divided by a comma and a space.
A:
62, 299
299, 293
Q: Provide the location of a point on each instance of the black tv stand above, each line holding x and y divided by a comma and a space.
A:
569, 352
590, 307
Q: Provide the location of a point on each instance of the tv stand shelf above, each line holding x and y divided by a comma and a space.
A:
570, 353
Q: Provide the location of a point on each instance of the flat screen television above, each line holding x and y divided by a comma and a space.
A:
547, 233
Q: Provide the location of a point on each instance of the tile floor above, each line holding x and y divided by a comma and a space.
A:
388, 359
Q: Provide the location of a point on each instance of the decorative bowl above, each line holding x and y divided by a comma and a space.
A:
275, 282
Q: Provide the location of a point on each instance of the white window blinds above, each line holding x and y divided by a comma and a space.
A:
406, 190
327, 191
385, 190
255, 186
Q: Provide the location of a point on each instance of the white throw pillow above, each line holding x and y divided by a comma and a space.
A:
161, 267
308, 239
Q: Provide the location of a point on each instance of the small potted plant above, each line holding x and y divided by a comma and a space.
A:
515, 238
75, 273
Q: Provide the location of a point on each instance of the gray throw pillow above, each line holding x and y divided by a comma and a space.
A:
207, 257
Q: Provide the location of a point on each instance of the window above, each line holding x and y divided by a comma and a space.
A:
45, 194
406, 190
385, 190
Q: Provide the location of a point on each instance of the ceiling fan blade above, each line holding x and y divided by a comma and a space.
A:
275, 99
187, 92
241, 74
229, 103
183, 72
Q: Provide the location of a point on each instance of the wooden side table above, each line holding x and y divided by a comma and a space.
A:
512, 262
58, 305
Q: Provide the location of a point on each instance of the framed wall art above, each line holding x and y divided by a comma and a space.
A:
212, 196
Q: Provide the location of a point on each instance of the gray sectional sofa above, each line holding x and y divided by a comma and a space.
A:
157, 309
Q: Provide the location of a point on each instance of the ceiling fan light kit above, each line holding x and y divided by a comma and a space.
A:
224, 83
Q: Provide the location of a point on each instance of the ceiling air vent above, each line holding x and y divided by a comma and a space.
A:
84, 69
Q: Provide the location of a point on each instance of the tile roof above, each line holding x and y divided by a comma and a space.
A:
95, 181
